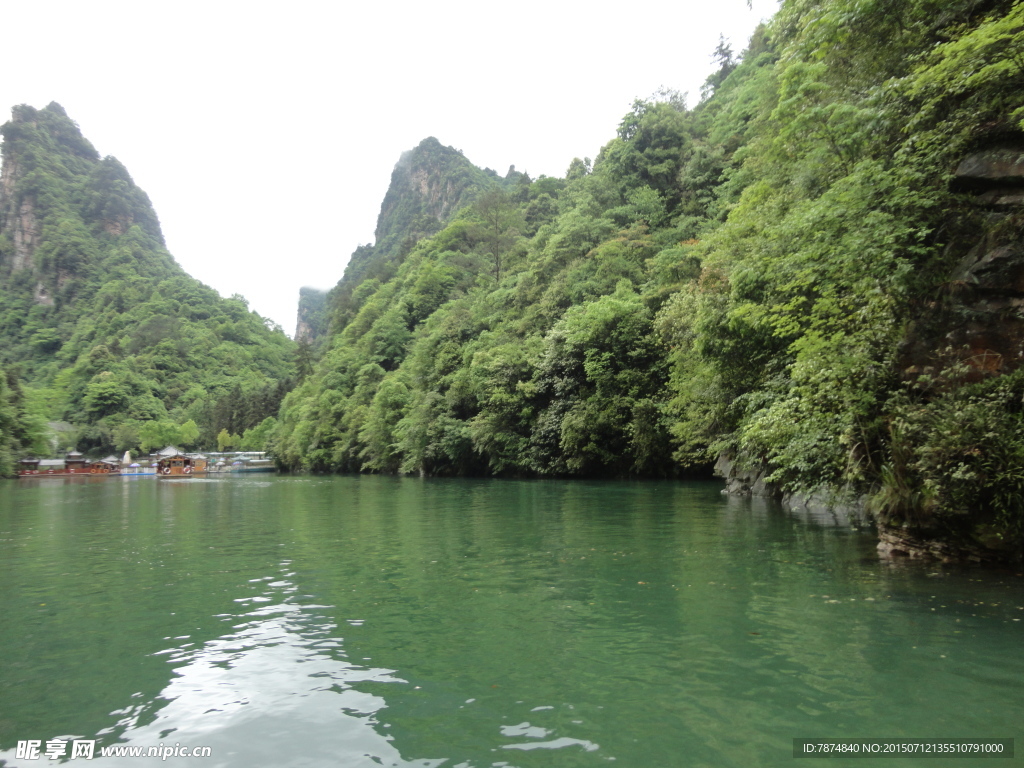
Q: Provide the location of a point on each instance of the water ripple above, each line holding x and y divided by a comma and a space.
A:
273, 689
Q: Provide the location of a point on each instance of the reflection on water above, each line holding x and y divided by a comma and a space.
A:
273, 688
394, 622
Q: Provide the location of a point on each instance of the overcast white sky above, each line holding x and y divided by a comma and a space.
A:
265, 134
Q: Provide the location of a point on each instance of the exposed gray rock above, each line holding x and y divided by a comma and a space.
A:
1001, 199
311, 322
42, 296
1000, 269
900, 542
999, 166
830, 507
743, 480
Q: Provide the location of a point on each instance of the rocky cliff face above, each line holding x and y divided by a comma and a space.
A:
428, 185
38, 193
970, 332
55, 188
979, 324
311, 323
94, 309
17, 217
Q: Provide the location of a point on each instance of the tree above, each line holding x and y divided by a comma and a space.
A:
188, 433
7, 428
258, 438
158, 434
104, 395
578, 169
226, 441
304, 358
99, 312
502, 223
723, 57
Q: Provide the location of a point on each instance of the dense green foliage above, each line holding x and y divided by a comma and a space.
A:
743, 278
106, 329
22, 423
429, 184
736, 278
312, 313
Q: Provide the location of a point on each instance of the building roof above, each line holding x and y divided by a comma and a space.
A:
170, 450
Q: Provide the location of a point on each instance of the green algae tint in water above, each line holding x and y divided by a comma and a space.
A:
367, 621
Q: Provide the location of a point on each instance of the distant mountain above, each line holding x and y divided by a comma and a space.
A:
99, 320
311, 319
429, 185
812, 280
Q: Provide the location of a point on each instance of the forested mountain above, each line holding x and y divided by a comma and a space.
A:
311, 322
429, 185
814, 276
100, 327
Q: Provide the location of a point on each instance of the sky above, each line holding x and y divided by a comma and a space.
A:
265, 133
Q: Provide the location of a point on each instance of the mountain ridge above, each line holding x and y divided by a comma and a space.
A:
429, 184
790, 280
96, 315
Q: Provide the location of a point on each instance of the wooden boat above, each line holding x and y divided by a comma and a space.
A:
175, 464
73, 464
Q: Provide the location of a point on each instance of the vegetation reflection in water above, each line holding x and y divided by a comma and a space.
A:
382, 621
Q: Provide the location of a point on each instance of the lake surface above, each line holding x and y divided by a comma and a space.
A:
369, 621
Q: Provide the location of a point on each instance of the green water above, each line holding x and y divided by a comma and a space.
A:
367, 621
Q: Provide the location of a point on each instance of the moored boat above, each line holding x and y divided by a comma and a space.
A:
111, 465
173, 463
73, 464
135, 469
252, 465
241, 461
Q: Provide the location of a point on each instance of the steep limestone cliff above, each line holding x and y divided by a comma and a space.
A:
428, 185
979, 323
96, 312
311, 322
